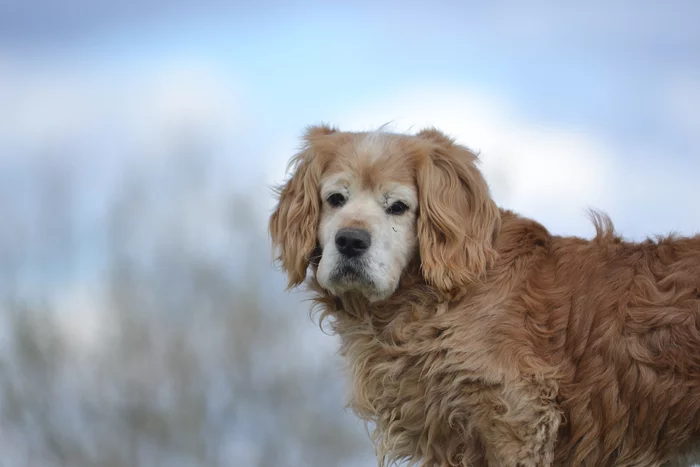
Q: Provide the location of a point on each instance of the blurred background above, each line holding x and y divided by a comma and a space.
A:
141, 320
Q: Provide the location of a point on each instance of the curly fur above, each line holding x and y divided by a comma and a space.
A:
505, 345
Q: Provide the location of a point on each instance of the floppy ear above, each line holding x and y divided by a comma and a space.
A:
458, 221
294, 222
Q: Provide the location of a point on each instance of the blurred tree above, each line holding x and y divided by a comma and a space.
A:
185, 353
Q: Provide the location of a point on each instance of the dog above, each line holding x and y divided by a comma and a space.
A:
474, 336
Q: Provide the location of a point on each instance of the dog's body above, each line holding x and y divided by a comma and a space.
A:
501, 346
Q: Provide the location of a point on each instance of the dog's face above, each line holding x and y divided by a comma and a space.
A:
367, 228
361, 206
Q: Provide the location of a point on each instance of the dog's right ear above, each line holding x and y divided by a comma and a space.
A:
294, 222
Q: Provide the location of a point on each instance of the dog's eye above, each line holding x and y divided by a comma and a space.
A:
336, 200
397, 208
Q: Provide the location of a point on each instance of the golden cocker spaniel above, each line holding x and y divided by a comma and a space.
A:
475, 337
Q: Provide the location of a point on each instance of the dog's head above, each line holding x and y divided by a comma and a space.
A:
361, 206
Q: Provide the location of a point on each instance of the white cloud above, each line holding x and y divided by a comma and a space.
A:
184, 95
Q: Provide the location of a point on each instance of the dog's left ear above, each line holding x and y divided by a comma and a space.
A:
458, 220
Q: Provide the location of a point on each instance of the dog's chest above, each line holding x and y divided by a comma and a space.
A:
413, 395
386, 376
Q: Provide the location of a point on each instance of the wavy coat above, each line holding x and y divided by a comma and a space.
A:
505, 345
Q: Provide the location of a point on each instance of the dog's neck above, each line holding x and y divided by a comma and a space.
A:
413, 302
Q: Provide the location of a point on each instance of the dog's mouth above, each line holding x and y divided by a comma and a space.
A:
350, 274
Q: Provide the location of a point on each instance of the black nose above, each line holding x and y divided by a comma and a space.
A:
352, 242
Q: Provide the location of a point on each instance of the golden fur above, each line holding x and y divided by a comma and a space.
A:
504, 345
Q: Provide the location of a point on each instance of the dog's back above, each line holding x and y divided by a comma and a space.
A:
625, 335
